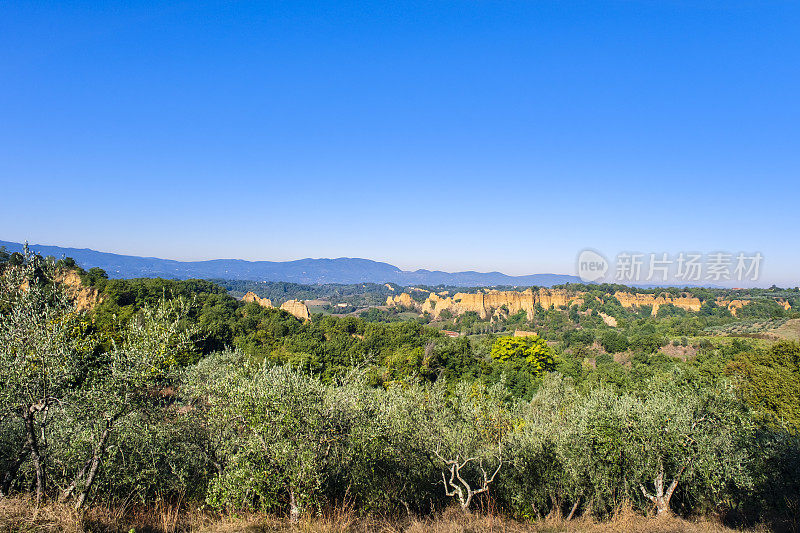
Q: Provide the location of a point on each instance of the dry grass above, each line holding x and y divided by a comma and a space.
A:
19, 515
790, 330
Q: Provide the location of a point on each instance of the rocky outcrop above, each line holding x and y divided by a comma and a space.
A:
296, 308
293, 307
609, 320
734, 305
401, 300
557, 298
251, 297
488, 303
84, 298
521, 333
627, 299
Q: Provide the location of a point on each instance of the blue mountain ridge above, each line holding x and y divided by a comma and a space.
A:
306, 271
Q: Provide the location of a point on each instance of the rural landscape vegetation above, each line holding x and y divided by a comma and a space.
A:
155, 404
448, 266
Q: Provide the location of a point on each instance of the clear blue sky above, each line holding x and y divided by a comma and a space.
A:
454, 135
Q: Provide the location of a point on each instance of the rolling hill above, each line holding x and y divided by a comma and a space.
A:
308, 271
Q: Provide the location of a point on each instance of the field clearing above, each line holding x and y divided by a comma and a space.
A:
789, 331
317, 302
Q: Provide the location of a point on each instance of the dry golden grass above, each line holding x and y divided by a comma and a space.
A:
19, 515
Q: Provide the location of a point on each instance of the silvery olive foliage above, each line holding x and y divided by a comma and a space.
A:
42, 362
65, 407
283, 439
131, 382
676, 437
536, 476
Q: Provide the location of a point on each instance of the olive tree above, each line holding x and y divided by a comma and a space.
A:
536, 477
284, 434
134, 376
691, 434
42, 360
467, 429
673, 434
380, 461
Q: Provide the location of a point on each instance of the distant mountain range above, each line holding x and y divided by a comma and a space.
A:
307, 271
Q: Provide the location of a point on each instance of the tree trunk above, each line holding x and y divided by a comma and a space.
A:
33, 444
465, 504
98, 455
85, 477
574, 508
75, 481
294, 509
668, 494
661, 498
11, 474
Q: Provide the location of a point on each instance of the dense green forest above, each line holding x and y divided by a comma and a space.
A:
357, 295
170, 389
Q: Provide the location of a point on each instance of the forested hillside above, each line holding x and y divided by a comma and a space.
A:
345, 270
176, 391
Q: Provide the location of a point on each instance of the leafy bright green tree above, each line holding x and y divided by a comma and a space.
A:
533, 350
769, 380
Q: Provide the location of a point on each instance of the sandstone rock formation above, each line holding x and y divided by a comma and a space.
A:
489, 303
296, 308
403, 300
609, 320
734, 305
686, 302
84, 298
251, 297
293, 307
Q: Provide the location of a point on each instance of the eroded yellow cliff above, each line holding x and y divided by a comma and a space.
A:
296, 308
488, 303
252, 297
627, 299
84, 298
403, 300
293, 307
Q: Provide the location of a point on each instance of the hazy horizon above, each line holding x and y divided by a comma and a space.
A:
643, 283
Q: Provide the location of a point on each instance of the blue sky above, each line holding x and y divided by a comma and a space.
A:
453, 135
